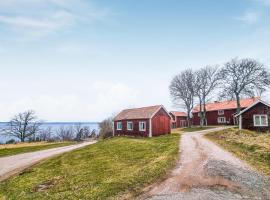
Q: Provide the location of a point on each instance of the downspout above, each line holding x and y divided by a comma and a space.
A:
150, 127
113, 129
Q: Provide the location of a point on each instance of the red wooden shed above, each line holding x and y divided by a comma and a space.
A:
255, 117
146, 121
179, 119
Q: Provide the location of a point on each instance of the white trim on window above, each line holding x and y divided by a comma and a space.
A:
221, 120
260, 121
220, 112
119, 126
130, 126
142, 126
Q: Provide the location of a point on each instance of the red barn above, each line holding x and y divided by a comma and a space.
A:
221, 113
255, 117
147, 122
179, 119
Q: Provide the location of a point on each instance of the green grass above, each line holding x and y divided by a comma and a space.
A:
116, 168
250, 146
8, 150
196, 128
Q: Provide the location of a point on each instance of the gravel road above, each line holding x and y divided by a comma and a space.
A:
12, 165
206, 171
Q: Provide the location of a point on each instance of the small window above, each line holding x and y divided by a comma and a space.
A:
129, 126
220, 112
119, 126
199, 114
260, 120
142, 126
222, 120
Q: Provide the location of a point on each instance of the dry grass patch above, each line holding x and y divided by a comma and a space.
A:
248, 145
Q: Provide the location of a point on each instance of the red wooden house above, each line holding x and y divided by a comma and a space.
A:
146, 122
179, 119
221, 113
255, 117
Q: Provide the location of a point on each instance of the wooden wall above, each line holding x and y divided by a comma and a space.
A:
161, 123
247, 117
135, 131
212, 118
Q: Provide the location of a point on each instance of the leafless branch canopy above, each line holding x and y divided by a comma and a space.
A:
23, 126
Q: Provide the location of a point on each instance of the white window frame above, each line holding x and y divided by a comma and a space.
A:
130, 129
220, 121
140, 128
117, 126
220, 112
260, 117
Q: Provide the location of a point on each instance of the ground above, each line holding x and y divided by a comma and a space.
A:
194, 128
250, 146
13, 149
205, 171
116, 168
11, 165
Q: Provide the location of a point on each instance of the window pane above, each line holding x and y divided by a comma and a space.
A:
263, 120
257, 120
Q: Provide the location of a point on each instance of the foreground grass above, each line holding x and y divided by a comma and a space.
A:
116, 168
13, 149
250, 146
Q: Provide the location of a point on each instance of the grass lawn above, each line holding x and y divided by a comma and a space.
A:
196, 128
117, 168
250, 146
13, 149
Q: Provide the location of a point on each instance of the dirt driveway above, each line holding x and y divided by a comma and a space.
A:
14, 164
205, 171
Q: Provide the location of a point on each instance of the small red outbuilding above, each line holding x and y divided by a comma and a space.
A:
147, 122
179, 119
255, 117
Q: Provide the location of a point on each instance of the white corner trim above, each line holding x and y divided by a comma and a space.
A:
150, 127
240, 122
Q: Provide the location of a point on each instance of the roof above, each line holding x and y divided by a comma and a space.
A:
138, 113
226, 105
252, 105
179, 114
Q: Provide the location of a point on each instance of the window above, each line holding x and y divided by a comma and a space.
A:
260, 120
221, 120
129, 126
142, 126
199, 114
119, 126
220, 112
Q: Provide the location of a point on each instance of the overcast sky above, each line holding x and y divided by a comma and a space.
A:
82, 60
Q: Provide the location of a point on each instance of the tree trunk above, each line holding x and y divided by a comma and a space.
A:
238, 103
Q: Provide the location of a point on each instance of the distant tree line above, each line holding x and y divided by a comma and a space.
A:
26, 126
236, 79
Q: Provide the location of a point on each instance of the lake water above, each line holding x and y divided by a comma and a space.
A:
54, 126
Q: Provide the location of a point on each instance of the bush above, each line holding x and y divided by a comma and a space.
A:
11, 141
106, 128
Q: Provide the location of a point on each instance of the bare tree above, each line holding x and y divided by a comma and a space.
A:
243, 77
65, 133
23, 125
207, 80
79, 132
182, 91
45, 134
106, 128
